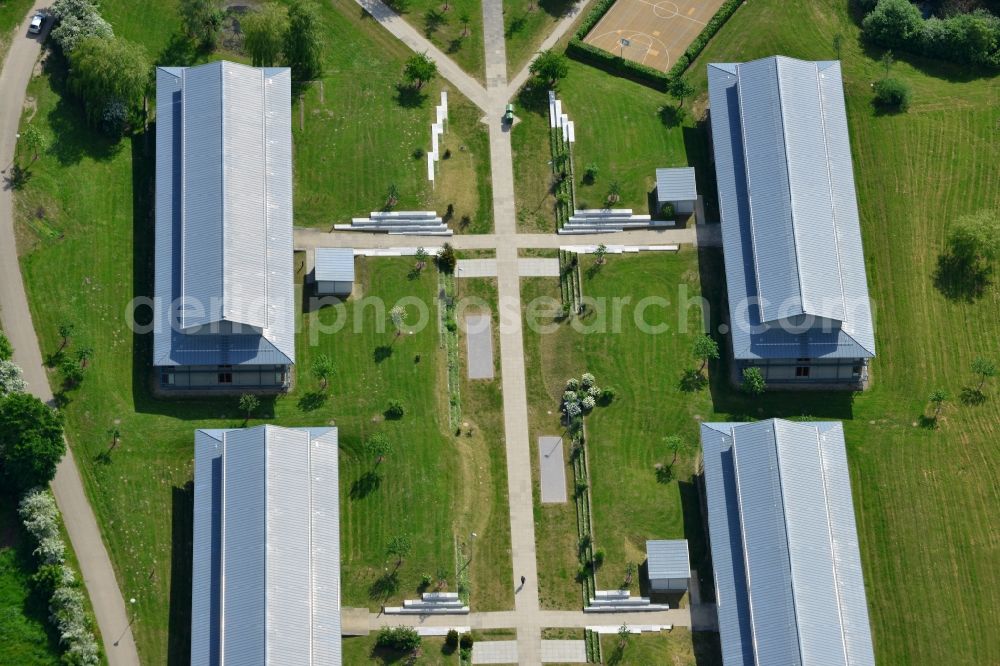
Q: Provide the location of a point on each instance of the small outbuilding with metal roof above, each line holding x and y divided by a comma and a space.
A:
668, 566
334, 271
676, 186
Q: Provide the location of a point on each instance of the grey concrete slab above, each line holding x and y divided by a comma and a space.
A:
553, 469
470, 268
564, 652
538, 267
494, 652
479, 344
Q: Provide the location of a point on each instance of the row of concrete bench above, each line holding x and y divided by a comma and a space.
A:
431, 603
605, 220
619, 601
418, 223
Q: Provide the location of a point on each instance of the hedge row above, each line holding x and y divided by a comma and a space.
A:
616, 65
635, 71
67, 609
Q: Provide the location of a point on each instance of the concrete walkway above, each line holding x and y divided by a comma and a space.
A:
309, 239
527, 618
84, 535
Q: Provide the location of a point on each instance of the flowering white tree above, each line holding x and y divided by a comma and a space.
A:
11, 378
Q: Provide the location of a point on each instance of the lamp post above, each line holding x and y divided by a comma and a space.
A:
131, 619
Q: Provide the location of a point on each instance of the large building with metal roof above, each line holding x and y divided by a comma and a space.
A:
265, 583
224, 307
798, 299
789, 585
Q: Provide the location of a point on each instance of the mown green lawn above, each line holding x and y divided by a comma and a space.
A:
925, 498
621, 128
85, 236
362, 650
678, 647
617, 341
356, 133
441, 21
24, 631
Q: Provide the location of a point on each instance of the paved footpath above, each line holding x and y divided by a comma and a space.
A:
527, 618
84, 535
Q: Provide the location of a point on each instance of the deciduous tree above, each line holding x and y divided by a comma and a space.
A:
704, 349
264, 34
303, 41
202, 20
419, 69
550, 66
31, 440
322, 368
753, 381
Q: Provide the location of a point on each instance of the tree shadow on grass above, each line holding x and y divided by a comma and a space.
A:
672, 116
556, 8
410, 97
516, 25
384, 586
692, 381
972, 396
382, 352
312, 401
959, 280
534, 97
365, 485
927, 422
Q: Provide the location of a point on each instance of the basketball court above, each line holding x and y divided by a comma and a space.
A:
655, 32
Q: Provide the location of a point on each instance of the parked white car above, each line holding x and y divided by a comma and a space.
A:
37, 21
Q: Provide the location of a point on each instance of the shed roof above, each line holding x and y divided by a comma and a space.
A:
789, 585
334, 264
791, 235
224, 275
676, 184
668, 558
266, 547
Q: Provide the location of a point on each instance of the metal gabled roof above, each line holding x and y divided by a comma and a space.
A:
676, 184
334, 264
791, 234
266, 566
784, 546
667, 558
224, 212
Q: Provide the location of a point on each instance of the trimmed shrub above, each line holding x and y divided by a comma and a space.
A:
395, 410
588, 403
607, 396
892, 94
451, 640
572, 384
587, 380
466, 642
401, 639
